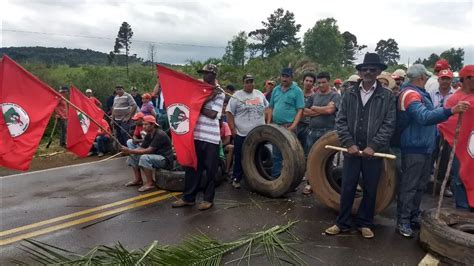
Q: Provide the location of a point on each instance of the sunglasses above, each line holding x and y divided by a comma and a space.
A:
368, 69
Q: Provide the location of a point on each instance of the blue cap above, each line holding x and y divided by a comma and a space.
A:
287, 71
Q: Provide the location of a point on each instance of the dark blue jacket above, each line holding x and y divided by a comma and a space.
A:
417, 119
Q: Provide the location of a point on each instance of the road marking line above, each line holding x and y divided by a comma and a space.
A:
55, 168
72, 215
86, 219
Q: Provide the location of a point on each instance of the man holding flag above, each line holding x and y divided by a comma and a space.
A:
206, 142
463, 164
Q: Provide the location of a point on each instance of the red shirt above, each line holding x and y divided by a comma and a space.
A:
61, 110
95, 101
137, 132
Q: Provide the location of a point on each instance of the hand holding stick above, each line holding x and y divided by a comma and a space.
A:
377, 154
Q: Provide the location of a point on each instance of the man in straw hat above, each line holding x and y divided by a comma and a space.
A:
365, 124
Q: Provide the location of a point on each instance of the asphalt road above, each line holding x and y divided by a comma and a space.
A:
80, 207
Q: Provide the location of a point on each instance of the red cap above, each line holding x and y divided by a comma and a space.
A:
467, 71
441, 64
337, 81
146, 96
445, 73
138, 116
149, 119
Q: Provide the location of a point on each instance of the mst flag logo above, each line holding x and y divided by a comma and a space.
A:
85, 122
178, 115
16, 119
470, 145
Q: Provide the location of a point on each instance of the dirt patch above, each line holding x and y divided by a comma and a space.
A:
53, 157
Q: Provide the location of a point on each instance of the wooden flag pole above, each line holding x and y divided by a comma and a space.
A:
450, 164
377, 154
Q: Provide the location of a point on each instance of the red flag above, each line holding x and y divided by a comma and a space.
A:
27, 105
184, 97
81, 131
6, 141
465, 145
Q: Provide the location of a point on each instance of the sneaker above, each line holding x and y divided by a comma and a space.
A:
100, 154
366, 232
236, 184
204, 205
307, 190
89, 154
181, 203
405, 230
448, 193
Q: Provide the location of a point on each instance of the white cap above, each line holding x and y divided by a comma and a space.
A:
353, 78
88, 91
399, 73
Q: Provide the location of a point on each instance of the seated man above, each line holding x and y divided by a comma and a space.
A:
101, 141
154, 152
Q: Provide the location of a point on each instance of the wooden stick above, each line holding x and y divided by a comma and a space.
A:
438, 161
450, 164
377, 154
113, 156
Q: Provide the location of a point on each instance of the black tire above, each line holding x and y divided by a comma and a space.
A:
327, 190
255, 170
451, 237
174, 180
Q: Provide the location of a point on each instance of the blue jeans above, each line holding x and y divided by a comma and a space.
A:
62, 131
457, 187
132, 145
238, 172
352, 167
312, 137
147, 161
416, 170
101, 143
122, 135
302, 131
277, 161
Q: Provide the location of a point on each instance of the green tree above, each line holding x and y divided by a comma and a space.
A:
388, 51
431, 60
351, 48
259, 35
455, 58
236, 49
279, 32
324, 42
124, 40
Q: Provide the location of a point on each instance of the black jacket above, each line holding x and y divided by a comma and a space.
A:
379, 121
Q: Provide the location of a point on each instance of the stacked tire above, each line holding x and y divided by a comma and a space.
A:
256, 165
321, 175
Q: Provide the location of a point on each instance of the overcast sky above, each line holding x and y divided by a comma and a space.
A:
197, 30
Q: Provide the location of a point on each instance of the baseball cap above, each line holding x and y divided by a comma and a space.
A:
287, 71
353, 78
64, 89
209, 68
417, 70
138, 116
467, 71
441, 64
399, 73
149, 119
247, 77
445, 73
88, 91
338, 81
146, 96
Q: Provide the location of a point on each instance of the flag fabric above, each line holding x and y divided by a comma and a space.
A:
184, 98
465, 145
6, 141
81, 131
27, 104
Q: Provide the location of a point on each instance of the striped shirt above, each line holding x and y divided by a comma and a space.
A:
122, 107
207, 129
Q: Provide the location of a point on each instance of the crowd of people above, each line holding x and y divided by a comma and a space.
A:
372, 111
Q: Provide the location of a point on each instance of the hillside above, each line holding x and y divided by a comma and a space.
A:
64, 56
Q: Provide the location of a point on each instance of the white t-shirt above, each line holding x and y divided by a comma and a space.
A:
432, 84
248, 110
